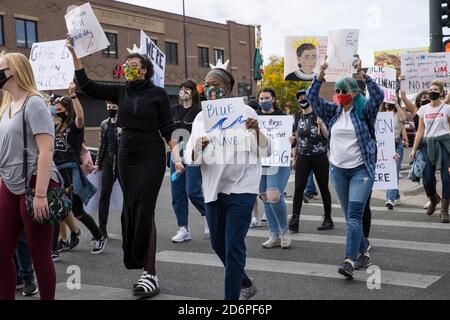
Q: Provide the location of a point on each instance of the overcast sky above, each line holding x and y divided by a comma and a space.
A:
384, 24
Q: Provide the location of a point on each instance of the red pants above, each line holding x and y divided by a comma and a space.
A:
14, 219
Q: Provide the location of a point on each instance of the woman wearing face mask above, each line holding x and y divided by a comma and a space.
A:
230, 188
21, 95
352, 155
69, 136
393, 196
187, 186
433, 137
310, 156
273, 183
144, 116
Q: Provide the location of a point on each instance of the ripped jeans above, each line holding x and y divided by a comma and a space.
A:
275, 179
353, 187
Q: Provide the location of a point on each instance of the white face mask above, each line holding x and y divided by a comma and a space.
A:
185, 95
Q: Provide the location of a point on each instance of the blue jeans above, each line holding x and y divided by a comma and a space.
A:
392, 195
276, 210
310, 185
429, 174
187, 186
229, 220
24, 265
353, 187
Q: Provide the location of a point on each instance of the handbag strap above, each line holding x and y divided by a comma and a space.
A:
25, 144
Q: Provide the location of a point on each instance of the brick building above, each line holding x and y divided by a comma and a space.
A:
23, 22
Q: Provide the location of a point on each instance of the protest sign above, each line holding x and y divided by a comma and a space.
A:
157, 57
85, 30
391, 58
303, 56
277, 129
52, 65
116, 203
386, 168
386, 78
421, 69
342, 47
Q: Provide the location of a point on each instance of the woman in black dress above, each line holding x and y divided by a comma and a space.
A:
144, 116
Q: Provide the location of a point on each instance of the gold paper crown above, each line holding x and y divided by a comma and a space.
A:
313, 41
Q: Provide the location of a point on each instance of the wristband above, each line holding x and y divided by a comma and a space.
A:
40, 197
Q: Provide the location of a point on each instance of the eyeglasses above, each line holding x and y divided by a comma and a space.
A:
339, 91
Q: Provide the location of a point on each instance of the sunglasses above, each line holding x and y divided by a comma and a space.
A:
339, 91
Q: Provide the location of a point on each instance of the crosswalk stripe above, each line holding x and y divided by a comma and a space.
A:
373, 208
299, 268
382, 243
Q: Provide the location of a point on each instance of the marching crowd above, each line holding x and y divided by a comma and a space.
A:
331, 140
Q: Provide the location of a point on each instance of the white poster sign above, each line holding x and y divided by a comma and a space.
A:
303, 56
116, 202
52, 65
421, 69
386, 168
342, 47
386, 78
86, 31
157, 57
278, 129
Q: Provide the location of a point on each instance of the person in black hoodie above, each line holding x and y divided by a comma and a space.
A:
144, 116
188, 185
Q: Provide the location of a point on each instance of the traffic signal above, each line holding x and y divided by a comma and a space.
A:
445, 13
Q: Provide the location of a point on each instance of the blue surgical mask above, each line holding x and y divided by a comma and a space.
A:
266, 106
53, 110
214, 93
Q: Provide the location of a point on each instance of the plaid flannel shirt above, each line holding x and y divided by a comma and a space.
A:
329, 112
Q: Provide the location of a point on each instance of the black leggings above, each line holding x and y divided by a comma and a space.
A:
321, 168
367, 218
109, 176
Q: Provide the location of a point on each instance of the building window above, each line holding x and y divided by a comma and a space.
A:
219, 55
26, 33
2, 41
203, 57
244, 89
111, 51
171, 53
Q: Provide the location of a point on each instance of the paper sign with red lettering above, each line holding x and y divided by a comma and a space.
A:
385, 77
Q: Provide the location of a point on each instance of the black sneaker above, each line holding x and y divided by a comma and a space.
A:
326, 225
55, 255
248, 293
305, 199
390, 205
369, 246
30, 288
63, 245
147, 287
363, 262
347, 269
99, 245
294, 224
19, 283
75, 239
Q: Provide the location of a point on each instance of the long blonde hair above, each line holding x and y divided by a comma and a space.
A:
22, 72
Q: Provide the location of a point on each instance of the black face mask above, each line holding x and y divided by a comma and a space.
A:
434, 95
112, 113
425, 102
62, 116
304, 104
3, 78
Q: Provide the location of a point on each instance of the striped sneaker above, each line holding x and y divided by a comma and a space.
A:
147, 286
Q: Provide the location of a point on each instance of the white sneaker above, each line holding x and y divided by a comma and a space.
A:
397, 203
255, 223
286, 241
427, 205
207, 233
264, 217
184, 234
273, 242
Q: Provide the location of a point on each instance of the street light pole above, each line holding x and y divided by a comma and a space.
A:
185, 44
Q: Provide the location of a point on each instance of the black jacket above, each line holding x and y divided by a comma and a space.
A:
103, 143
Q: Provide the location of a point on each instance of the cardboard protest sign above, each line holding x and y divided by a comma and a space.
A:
421, 69
342, 47
386, 78
303, 56
157, 57
278, 129
386, 177
85, 30
52, 65
391, 58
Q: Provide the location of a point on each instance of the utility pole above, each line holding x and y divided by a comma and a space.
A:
436, 25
